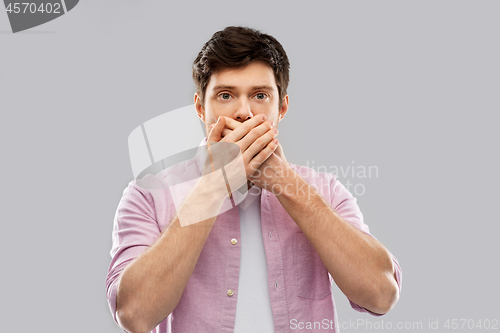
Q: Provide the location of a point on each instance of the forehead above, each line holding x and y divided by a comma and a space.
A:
255, 74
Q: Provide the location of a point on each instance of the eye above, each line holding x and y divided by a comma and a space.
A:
260, 96
225, 96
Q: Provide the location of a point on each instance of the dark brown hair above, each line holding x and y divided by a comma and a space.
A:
236, 47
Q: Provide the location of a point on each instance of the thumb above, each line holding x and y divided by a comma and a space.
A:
215, 134
280, 153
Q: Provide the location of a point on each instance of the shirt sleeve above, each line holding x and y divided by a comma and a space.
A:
135, 229
346, 206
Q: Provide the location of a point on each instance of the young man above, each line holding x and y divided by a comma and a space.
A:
266, 265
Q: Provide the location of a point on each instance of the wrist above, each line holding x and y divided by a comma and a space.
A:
287, 184
212, 186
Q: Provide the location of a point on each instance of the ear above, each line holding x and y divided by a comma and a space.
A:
284, 108
199, 109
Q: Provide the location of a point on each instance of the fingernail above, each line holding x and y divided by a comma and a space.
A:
275, 141
276, 130
272, 124
211, 127
263, 117
218, 119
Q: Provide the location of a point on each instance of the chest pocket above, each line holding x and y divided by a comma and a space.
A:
311, 276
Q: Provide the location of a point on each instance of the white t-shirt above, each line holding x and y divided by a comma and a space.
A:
253, 309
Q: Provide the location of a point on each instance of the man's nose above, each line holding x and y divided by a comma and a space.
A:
243, 111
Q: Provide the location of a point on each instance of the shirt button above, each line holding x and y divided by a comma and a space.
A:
230, 292
234, 241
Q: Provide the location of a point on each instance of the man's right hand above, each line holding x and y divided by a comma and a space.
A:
255, 139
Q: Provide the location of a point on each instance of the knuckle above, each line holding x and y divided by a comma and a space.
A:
247, 127
256, 134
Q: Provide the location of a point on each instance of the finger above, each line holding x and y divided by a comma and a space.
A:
226, 131
279, 151
215, 134
231, 123
258, 139
263, 155
243, 129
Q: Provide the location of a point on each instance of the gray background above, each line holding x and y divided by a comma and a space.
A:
408, 86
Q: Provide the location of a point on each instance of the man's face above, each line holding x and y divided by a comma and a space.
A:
241, 94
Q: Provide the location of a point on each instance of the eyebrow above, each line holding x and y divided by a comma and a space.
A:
264, 87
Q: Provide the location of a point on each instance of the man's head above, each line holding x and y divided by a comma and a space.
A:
242, 60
